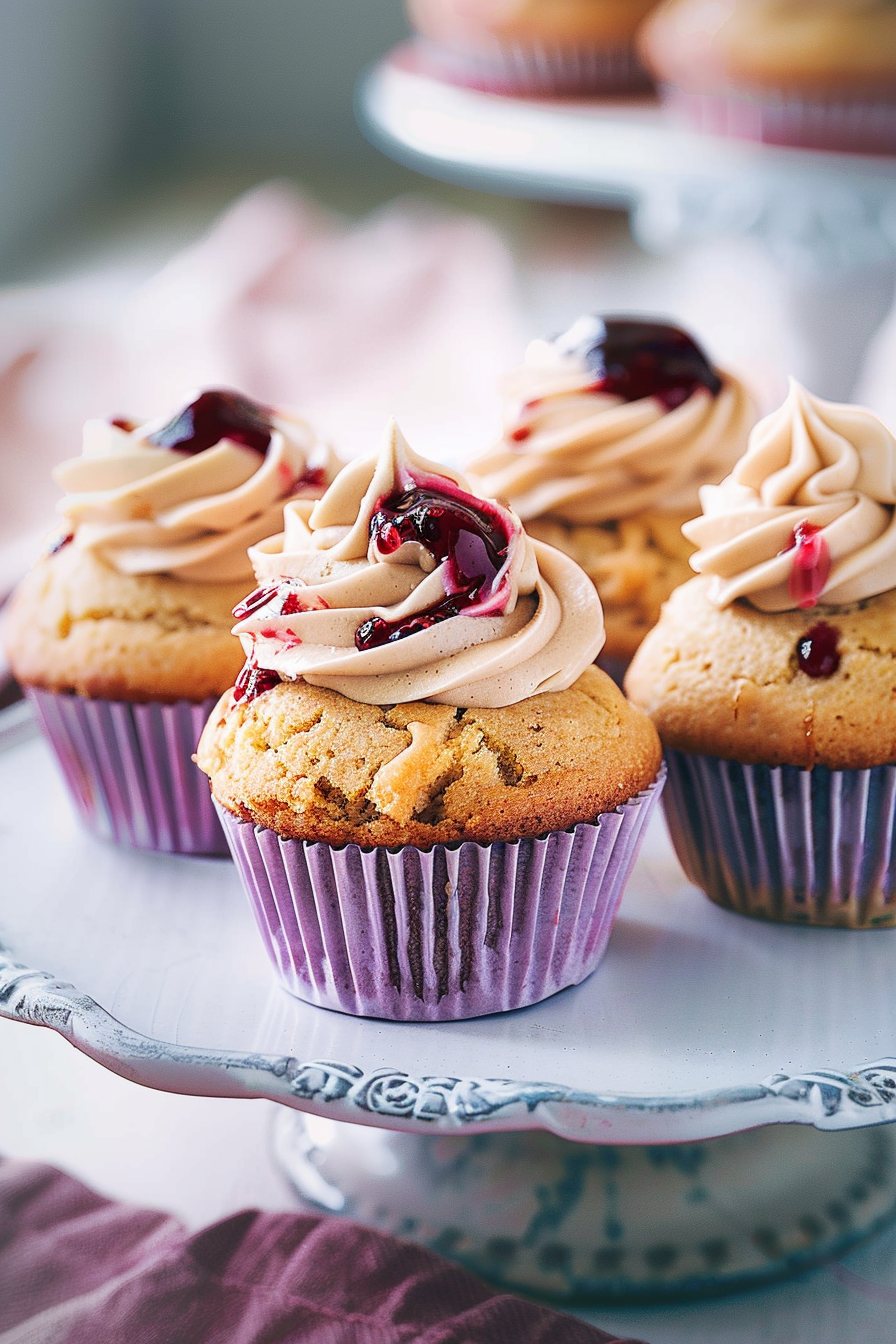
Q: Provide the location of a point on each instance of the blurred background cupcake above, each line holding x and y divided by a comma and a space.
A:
533, 46
120, 634
821, 75
771, 680
433, 797
610, 429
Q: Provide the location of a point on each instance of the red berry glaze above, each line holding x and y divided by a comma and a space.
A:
213, 416
811, 565
816, 651
633, 359
469, 535
60, 543
253, 681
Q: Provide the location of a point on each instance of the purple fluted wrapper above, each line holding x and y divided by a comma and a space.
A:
532, 69
130, 770
850, 125
436, 935
783, 843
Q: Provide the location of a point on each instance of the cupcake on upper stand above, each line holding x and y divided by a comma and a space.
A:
433, 797
530, 47
120, 634
771, 679
610, 429
820, 75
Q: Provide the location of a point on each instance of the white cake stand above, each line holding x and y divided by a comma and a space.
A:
828, 220
533, 1146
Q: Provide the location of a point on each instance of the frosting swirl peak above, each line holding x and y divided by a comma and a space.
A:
613, 418
399, 584
187, 496
808, 513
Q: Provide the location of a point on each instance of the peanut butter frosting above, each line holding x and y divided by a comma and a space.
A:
807, 515
187, 496
575, 452
401, 585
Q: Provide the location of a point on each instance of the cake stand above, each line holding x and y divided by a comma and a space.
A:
664, 1128
827, 220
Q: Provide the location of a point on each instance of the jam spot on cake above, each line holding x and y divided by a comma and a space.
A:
213, 416
521, 433
811, 565
633, 359
60, 543
253, 681
816, 651
468, 535
127, 426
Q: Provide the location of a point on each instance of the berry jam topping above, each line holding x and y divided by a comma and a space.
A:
253, 681
214, 416
468, 535
811, 564
60, 542
816, 651
285, 598
127, 426
633, 359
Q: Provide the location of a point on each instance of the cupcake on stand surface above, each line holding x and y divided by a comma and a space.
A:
433, 797
770, 677
820, 75
120, 634
610, 429
529, 47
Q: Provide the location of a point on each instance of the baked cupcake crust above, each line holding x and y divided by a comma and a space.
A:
714, 45
310, 764
77, 625
562, 22
728, 682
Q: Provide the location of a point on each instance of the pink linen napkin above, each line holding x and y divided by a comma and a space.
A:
79, 1269
411, 312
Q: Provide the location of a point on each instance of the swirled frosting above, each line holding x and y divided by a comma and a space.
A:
807, 515
187, 496
399, 585
583, 446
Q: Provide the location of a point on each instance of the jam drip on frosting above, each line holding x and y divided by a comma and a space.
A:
468, 535
811, 565
817, 653
633, 360
212, 416
253, 681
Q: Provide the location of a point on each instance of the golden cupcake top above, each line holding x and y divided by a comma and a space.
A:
559, 22
186, 496
614, 417
807, 515
828, 45
401, 584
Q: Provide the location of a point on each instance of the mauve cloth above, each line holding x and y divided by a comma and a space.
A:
76, 1268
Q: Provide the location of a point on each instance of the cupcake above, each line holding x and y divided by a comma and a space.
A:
120, 634
526, 47
433, 797
772, 677
609, 431
820, 75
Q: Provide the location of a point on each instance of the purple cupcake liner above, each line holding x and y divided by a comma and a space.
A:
782, 843
437, 935
130, 771
540, 71
839, 125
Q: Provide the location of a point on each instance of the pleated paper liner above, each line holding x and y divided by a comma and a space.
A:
849, 125
527, 69
130, 772
783, 843
436, 935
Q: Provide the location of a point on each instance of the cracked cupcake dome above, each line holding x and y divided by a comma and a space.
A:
311, 764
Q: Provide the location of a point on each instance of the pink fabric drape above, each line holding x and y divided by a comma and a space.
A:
76, 1268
